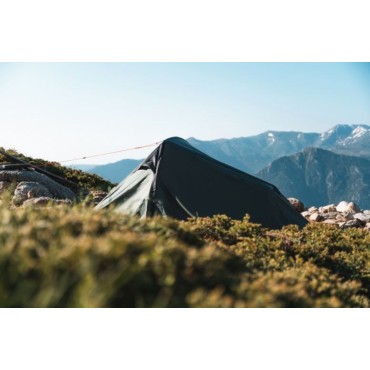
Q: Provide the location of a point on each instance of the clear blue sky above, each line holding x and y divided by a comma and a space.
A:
66, 110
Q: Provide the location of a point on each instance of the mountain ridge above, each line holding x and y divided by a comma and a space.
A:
253, 153
318, 176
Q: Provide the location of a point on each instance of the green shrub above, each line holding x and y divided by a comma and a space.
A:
79, 257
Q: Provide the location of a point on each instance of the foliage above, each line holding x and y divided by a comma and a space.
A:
82, 179
80, 257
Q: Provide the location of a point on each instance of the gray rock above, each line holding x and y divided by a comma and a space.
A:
361, 217
328, 209
26, 190
353, 208
56, 190
297, 204
328, 215
352, 223
366, 212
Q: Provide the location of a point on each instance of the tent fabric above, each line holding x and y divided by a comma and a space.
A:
179, 181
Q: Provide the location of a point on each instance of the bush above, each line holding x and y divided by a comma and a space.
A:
79, 257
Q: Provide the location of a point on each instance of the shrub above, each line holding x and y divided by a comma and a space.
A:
80, 257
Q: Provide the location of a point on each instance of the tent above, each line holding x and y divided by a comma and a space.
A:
179, 181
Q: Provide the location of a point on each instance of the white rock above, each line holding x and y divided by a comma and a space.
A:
312, 209
328, 209
348, 207
353, 208
342, 206
316, 217
361, 217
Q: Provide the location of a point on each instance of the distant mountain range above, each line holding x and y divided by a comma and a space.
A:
115, 172
256, 154
319, 177
252, 154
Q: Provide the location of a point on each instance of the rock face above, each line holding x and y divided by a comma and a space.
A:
31, 185
343, 215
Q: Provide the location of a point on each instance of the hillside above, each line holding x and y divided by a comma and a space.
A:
80, 178
318, 177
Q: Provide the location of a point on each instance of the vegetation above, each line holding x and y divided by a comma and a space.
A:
80, 178
80, 257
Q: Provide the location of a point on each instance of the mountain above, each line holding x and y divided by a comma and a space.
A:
116, 172
317, 176
83, 167
252, 154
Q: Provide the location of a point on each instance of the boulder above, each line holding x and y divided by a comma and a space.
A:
348, 207
352, 223
316, 217
56, 190
328, 215
30, 184
313, 209
361, 217
297, 204
328, 209
342, 206
306, 214
27, 190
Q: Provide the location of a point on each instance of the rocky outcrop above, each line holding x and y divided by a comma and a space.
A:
343, 215
33, 188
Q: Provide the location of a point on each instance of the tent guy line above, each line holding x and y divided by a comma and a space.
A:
109, 153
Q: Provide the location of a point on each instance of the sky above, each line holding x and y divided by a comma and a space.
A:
60, 111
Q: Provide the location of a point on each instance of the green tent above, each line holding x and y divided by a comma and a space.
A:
179, 181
